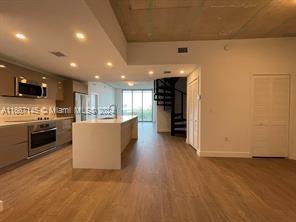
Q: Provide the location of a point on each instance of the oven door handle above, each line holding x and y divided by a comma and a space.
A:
44, 131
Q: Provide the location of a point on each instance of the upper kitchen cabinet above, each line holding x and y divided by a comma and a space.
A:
6, 80
8, 73
60, 90
66, 89
70, 87
80, 87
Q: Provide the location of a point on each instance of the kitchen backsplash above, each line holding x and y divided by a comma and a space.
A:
24, 108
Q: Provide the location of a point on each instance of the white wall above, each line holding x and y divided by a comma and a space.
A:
118, 99
105, 15
226, 79
106, 93
293, 118
163, 121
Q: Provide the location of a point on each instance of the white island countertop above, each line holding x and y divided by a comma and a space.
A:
98, 143
118, 120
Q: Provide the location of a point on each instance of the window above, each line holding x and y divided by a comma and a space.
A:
147, 105
138, 102
127, 102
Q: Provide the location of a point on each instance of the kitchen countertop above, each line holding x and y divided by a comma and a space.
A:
118, 120
7, 124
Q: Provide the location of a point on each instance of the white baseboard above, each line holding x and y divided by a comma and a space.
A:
223, 154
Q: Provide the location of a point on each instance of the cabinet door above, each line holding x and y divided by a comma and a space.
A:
6, 81
60, 91
64, 131
51, 83
80, 87
14, 144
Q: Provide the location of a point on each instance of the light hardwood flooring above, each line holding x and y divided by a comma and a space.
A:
162, 180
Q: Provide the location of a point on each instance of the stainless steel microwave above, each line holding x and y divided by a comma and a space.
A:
26, 88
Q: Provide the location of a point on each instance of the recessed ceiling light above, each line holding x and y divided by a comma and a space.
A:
43, 77
80, 36
20, 36
73, 64
182, 72
123, 77
2, 66
151, 72
97, 77
109, 64
131, 83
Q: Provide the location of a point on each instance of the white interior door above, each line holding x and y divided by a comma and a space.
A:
193, 114
195, 103
190, 115
271, 107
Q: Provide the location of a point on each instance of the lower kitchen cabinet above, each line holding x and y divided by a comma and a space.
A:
64, 131
126, 134
14, 144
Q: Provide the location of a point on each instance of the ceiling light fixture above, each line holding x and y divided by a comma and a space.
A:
109, 64
20, 36
73, 64
131, 83
123, 77
2, 66
151, 72
182, 72
80, 36
97, 77
43, 77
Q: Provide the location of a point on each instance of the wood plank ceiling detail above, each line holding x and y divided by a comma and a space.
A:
185, 20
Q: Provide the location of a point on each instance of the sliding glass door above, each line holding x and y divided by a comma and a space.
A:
138, 102
147, 105
127, 102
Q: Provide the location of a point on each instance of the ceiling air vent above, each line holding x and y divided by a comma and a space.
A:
183, 50
167, 72
58, 54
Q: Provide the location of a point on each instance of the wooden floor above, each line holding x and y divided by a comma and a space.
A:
162, 180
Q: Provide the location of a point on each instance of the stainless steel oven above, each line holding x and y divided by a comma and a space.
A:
42, 137
27, 88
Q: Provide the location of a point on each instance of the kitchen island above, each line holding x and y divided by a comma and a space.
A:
98, 144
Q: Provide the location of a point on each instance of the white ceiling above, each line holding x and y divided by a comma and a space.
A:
50, 26
137, 84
